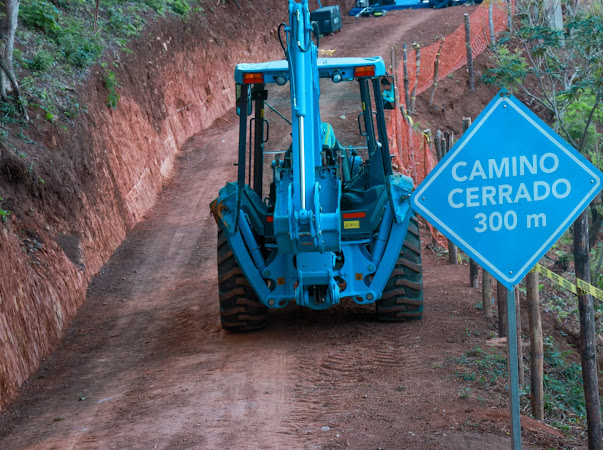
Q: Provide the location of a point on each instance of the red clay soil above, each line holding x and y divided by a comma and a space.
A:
146, 365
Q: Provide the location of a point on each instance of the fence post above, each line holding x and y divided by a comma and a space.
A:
469, 54
446, 144
406, 87
413, 95
438, 145
436, 69
536, 346
522, 373
395, 77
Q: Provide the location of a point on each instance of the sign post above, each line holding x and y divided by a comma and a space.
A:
513, 370
505, 194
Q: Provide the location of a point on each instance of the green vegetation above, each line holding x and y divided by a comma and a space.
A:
111, 83
58, 41
4, 214
560, 70
486, 370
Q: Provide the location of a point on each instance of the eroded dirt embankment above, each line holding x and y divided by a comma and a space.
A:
81, 187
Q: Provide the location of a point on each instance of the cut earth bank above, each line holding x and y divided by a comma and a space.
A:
85, 184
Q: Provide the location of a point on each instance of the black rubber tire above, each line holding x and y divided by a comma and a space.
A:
402, 297
240, 308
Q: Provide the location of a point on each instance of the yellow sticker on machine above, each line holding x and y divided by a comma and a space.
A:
351, 224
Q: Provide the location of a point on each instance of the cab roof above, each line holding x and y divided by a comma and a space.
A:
326, 68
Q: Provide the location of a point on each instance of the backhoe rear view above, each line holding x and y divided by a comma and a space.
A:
313, 219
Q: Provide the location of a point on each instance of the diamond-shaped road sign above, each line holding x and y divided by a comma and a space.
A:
507, 190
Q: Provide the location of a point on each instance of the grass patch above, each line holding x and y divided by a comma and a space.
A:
563, 389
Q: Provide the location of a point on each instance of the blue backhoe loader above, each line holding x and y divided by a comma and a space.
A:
314, 218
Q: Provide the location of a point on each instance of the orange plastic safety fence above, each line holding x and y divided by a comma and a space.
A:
413, 155
454, 53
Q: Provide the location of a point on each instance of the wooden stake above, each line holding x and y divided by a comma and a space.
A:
588, 346
487, 294
449, 140
473, 267
446, 145
536, 346
436, 69
406, 87
438, 145
501, 300
413, 96
522, 372
469, 54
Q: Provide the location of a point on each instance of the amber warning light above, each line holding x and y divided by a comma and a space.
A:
253, 77
364, 71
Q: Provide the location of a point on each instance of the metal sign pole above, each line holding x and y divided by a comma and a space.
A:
513, 370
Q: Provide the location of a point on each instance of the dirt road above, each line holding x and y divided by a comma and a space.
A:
146, 365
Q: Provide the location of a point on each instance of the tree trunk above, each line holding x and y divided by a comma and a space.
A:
96, 9
522, 372
491, 25
536, 347
8, 28
501, 300
595, 226
487, 293
588, 346
469, 54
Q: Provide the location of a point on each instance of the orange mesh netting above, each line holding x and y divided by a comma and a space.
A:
413, 155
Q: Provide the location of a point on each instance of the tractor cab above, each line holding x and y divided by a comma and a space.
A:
353, 136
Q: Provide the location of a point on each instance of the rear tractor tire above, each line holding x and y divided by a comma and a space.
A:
240, 308
402, 297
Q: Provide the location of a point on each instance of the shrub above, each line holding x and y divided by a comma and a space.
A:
180, 7
41, 62
123, 23
111, 83
40, 14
